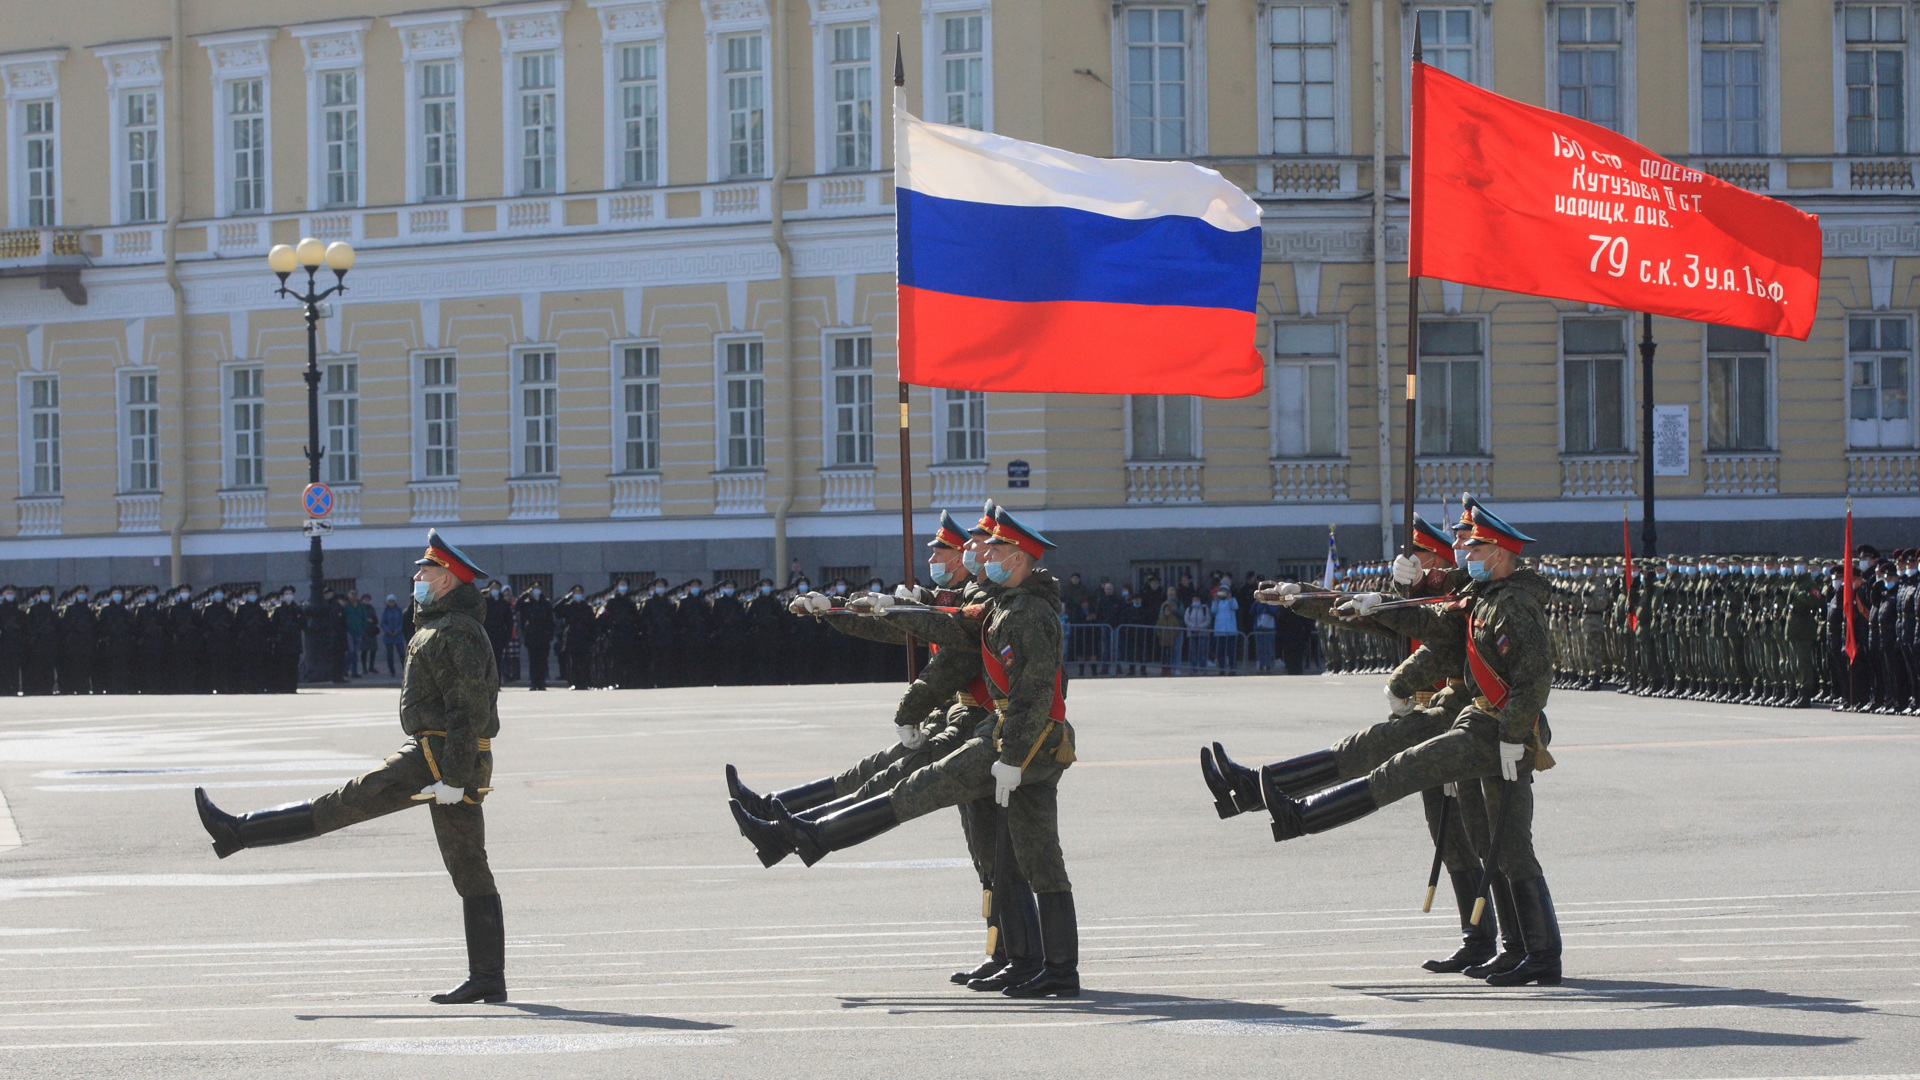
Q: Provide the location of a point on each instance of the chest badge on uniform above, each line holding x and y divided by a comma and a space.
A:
1500, 644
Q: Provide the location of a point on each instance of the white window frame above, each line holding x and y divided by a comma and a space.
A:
350, 398
123, 391
1629, 60
620, 382
726, 19
933, 68
1342, 63
826, 17
531, 28
1773, 397
230, 431
27, 440
334, 48
1339, 360
1482, 50
134, 68
1486, 388
941, 429
1770, 72
1629, 371
241, 54
829, 399
623, 24
720, 408
430, 38
32, 79
1193, 403
522, 416
1911, 12
418, 362
1196, 73
1913, 407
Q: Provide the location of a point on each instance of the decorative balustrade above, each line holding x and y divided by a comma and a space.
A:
740, 493
429, 221
631, 206
960, 485
1163, 482
39, 515
636, 495
243, 508
1445, 478
1751, 473
1752, 175
39, 244
530, 214
238, 238
844, 491
1883, 472
346, 505
1311, 177
139, 511
330, 227
1309, 479
533, 499
435, 500
1599, 476
839, 191
734, 201
1895, 174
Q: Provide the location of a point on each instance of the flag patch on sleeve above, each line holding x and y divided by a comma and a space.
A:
1500, 644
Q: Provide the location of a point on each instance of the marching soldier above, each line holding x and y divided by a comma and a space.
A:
448, 711
1501, 735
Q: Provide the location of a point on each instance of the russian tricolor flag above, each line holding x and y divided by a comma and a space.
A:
1027, 268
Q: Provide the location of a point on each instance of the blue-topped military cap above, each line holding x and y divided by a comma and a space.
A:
442, 554
1488, 528
1008, 530
1430, 539
950, 534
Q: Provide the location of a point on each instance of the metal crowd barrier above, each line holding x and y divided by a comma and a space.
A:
1094, 650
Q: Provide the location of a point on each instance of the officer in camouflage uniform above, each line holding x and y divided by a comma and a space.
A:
1502, 735
447, 709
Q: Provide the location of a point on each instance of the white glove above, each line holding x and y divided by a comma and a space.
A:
912, 594
1363, 604
1401, 706
911, 736
1005, 778
871, 603
1406, 570
798, 605
1510, 755
818, 603
1451, 791
444, 794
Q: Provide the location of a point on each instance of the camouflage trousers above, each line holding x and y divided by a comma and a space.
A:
1366, 750
460, 828
1033, 814
1467, 754
882, 772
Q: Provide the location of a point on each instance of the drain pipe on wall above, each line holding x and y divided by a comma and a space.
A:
176, 197
1380, 400
777, 200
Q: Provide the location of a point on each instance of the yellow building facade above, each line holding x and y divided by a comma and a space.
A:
624, 298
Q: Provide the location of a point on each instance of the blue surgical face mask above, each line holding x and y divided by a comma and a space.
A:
421, 592
998, 573
1478, 571
939, 571
969, 560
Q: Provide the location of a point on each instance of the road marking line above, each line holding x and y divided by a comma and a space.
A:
9, 835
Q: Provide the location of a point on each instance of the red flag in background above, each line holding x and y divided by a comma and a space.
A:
1626, 561
1509, 196
1846, 584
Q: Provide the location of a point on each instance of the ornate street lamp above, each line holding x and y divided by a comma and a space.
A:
311, 255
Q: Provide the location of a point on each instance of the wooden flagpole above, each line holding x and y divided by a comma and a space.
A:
1411, 484
906, 423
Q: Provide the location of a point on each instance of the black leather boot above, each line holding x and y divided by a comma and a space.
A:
1513, 942
815, 813
843, 829
997, 958
1323, 810
1296, 778
769, 840
1236, 788
486, 955
261, 828
1020, 934
1542, 931
1060, 938
1476, 942
804, 797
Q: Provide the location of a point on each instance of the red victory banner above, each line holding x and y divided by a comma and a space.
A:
1509, 196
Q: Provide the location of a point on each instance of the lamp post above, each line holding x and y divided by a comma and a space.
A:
310, 255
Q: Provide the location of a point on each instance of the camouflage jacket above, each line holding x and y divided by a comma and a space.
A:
1510, 634
1023, 630
956, 661
450, 682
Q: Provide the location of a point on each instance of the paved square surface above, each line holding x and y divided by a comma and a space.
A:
1737, 887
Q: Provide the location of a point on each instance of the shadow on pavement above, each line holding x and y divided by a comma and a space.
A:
1591, 1040
1652, 994
532, 1011
1144, 1007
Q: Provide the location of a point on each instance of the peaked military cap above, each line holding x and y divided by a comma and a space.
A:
1430, 539
984, 527
1008, 530
949, 534
445, 555
1488, 528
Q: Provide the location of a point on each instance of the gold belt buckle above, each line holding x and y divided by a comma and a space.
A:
1422, 698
